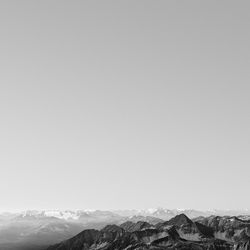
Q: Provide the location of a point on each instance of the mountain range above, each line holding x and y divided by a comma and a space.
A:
180, 232
37, 230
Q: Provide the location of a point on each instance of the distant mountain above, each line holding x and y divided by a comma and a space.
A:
166, 214
149, 219
91, 215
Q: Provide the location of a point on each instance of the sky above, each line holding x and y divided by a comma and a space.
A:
124, 104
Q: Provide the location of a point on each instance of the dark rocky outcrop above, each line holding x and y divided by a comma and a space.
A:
130, 226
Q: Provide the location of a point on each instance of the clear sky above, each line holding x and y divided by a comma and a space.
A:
124, 104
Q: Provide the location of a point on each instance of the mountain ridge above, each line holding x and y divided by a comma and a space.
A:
179, 232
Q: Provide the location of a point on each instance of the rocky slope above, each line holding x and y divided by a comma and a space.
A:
231, 229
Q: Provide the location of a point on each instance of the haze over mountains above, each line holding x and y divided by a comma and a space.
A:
33, 230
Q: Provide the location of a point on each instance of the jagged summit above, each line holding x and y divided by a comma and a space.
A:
180, 220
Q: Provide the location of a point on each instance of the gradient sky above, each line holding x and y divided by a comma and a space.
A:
124, 104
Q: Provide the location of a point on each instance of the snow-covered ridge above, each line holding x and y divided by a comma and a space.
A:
60, 214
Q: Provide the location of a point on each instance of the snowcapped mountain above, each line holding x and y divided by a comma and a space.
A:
88, 215
65, 215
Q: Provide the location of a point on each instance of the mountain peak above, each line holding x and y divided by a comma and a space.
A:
179, 220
